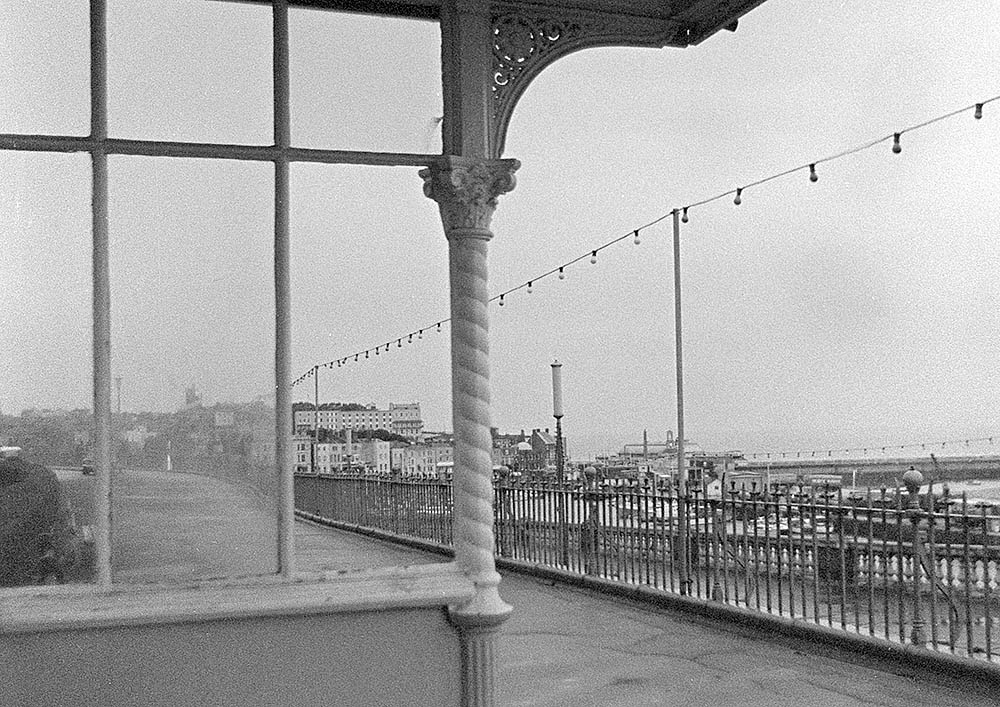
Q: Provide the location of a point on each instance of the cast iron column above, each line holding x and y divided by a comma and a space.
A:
466, 191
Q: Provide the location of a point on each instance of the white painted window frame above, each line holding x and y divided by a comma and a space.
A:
54, 607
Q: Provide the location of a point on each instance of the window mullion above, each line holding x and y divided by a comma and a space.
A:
282, 295
101, 301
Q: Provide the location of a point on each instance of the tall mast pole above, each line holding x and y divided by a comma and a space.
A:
682, 476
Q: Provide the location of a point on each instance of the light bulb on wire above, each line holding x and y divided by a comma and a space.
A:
737, 200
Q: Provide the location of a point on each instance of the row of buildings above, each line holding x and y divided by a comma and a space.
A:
336, 437
535, 453
230, 439
347, 437
432, 458
401, 419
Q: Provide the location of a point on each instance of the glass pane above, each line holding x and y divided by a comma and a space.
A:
365, 83
189, 70
46, 426
359, 283
45, 80
193, 360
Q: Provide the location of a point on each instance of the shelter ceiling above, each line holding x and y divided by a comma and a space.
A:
696, 19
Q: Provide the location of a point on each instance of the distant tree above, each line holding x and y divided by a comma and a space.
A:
45, 440
385, 436
346, 407
326, 436
37, 539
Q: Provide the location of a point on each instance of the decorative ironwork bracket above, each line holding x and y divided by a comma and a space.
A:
527, 38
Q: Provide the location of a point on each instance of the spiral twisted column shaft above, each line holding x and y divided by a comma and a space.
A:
470, 380
466, 190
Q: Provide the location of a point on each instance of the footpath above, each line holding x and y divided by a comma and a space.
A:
574, 647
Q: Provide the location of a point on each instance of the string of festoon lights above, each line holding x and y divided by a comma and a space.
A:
634, 235
874, 449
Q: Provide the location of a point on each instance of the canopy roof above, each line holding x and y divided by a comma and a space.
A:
701, 18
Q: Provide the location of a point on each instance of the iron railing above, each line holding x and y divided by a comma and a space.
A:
923, 570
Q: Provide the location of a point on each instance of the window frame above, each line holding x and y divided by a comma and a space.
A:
99, 145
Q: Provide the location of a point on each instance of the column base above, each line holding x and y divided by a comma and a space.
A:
478, 624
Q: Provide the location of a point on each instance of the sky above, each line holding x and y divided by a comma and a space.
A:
858, 310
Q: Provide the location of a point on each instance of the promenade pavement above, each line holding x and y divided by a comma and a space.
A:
562, 645
574, 647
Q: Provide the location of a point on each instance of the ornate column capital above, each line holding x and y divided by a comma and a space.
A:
466, 190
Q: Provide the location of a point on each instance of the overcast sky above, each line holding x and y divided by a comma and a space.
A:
859, 310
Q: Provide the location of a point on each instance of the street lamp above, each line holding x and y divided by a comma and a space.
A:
589, 531
913, 479
557, 412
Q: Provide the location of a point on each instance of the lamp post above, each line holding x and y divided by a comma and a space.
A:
588, 534
913, 479
557, 412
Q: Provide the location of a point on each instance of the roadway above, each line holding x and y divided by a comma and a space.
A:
562, 646
172, 527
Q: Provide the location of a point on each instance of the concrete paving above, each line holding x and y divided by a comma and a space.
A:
573, 647
565, 646
562, 645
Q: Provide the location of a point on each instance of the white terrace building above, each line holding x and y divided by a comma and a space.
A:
401, 418
368, 455
421, 458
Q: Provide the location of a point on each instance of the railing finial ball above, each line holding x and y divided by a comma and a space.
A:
913, 480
